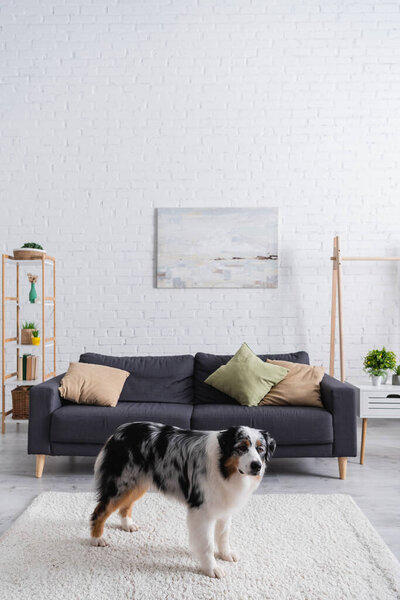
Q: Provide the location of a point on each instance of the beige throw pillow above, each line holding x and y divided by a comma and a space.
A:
93, 384
300, 386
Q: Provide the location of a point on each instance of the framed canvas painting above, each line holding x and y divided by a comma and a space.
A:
217, 248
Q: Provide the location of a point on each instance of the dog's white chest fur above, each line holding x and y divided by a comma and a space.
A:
225, 496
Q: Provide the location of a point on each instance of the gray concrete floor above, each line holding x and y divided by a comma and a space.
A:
375, 486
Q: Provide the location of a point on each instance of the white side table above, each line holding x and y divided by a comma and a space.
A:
375, 402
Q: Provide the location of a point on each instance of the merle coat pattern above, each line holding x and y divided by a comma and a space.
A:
213, 473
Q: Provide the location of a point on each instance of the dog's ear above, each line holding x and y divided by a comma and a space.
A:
227, 439
270, 443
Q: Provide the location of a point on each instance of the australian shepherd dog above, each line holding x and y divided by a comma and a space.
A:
213, 473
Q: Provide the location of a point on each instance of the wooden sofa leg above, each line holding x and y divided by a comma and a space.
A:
40, 458
342, 466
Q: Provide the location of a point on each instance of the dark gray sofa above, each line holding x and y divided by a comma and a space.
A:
171, 390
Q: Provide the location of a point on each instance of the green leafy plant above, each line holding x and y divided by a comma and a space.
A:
35, 333
32, 245
397, 370
378, 361
28, 325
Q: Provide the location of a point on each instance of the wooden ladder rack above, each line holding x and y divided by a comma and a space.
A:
337, 299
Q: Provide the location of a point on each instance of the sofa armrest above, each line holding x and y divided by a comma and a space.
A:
341, 400
44, 399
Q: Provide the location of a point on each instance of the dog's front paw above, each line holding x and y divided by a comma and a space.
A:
229, 556
128, 525
215, 572
101, 542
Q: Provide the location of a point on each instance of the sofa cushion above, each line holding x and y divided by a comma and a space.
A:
300, 387
205, 364
92, 384
246, 377
289, 425
75, 423
153, 378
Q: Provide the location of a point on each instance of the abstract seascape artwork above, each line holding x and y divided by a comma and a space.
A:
217, 248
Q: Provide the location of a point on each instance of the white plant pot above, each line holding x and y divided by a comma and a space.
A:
376, 379
384, 377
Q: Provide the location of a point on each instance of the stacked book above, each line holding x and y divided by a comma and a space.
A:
28, 367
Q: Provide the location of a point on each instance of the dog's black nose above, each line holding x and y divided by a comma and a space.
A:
255, 466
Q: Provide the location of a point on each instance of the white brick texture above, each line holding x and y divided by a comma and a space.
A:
110, 109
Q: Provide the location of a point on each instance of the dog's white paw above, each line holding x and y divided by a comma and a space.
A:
101, 542
128, 525
229, 556
215, 572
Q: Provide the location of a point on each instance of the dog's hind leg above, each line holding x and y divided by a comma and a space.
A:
127, 523
201, 540
222, 531
101, 513
125, 512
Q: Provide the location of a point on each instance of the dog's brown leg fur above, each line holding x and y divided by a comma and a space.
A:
124, 502
135, 495
101, 514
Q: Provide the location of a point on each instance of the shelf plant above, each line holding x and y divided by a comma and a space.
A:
29, 251
35, 337
396, 376
378, 362
32, 245
27, 330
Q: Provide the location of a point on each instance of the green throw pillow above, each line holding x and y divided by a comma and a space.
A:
246, 377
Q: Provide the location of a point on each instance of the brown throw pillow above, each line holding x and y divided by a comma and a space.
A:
300, 386
92, 384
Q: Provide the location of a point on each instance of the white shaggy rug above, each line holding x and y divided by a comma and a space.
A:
297, 547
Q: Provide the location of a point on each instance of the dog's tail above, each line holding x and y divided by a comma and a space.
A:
105, 483
110, 462
99, 463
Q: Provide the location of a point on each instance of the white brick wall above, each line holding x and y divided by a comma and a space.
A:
110, 109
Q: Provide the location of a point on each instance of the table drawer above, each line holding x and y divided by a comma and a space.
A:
378, 404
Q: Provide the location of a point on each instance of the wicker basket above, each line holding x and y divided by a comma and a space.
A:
28, 253
20, 402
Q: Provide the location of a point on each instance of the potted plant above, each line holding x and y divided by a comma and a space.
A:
396, 376
28, 251
35, 337
27, 332
377, 363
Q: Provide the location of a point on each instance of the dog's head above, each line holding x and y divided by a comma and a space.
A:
245, 450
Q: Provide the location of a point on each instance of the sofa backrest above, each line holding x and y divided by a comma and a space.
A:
205, 364
175, 379
153, 378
